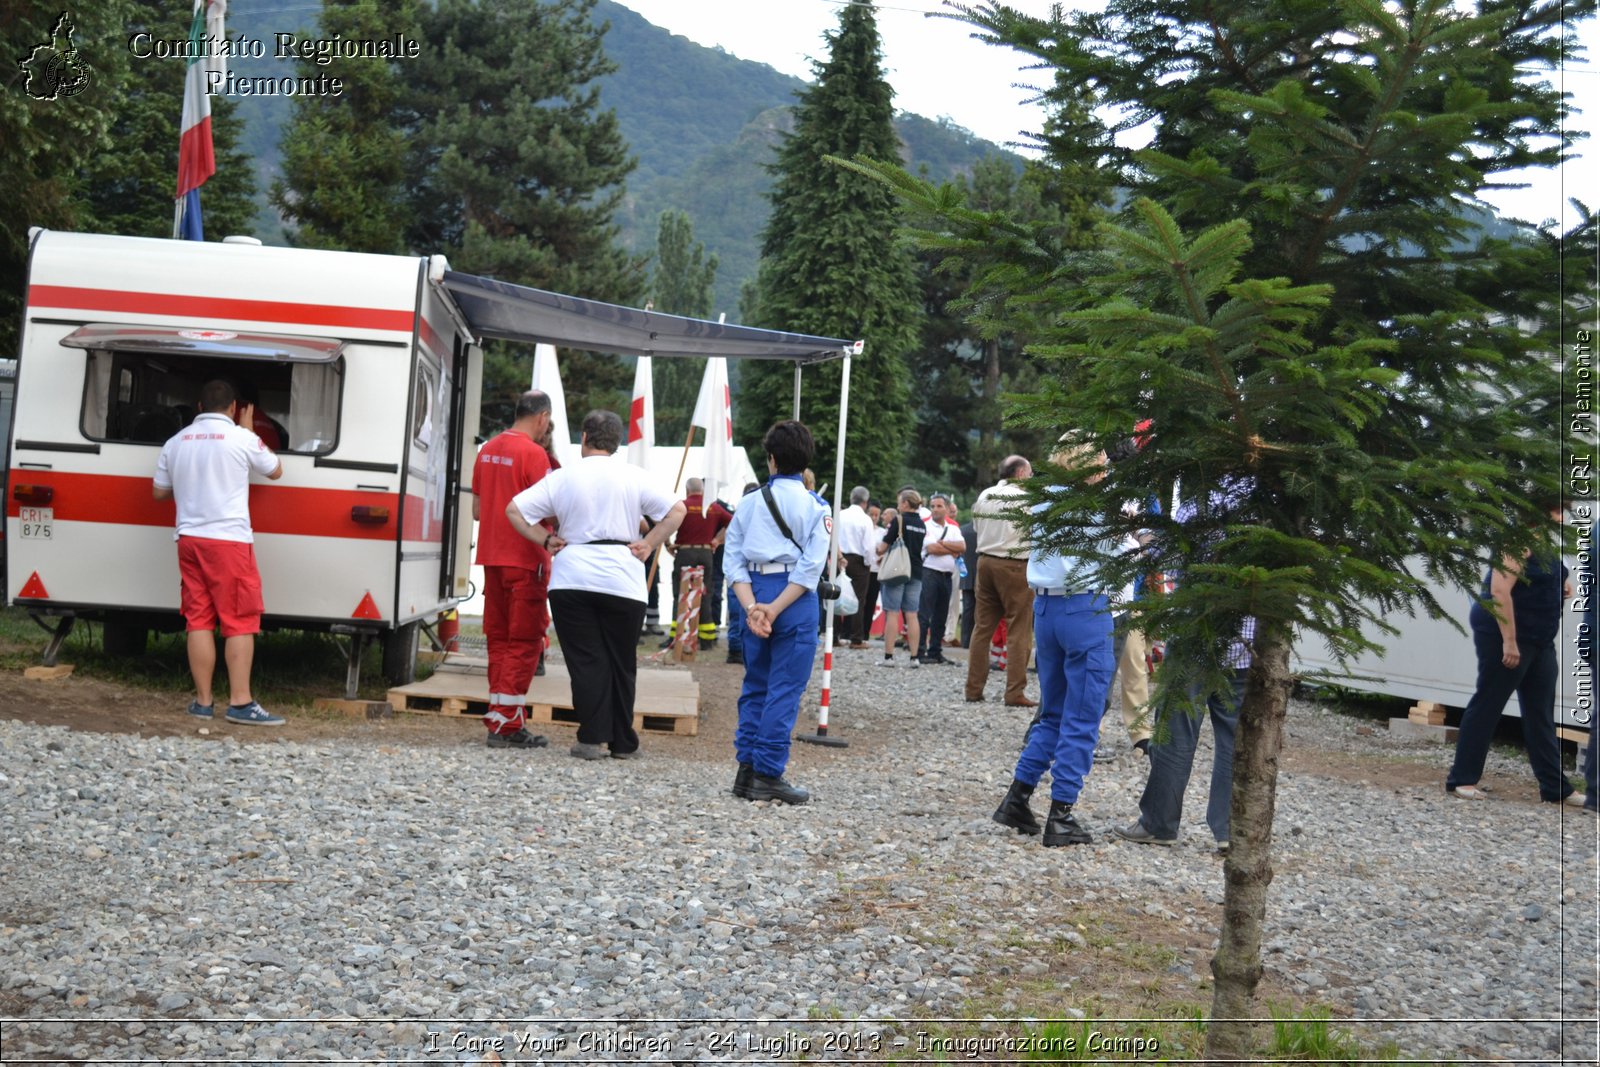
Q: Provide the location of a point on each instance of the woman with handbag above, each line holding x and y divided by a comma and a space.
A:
900, 574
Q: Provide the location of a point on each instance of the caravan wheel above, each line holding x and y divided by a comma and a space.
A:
400, 654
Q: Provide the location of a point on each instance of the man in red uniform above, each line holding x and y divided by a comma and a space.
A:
702, 531
516, 572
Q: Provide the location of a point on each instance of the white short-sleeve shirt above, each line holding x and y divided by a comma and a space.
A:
599, 498
207, 466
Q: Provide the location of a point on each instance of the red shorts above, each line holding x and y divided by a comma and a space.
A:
220, 581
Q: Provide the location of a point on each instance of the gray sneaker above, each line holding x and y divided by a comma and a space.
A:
1139, 834
579, 750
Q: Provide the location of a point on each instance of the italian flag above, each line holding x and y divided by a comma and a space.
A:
196, 161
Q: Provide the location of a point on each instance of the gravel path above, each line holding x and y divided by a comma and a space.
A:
195, 897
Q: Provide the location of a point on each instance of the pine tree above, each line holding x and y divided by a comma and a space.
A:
684, 277
517, 172
1328, 345
128, 189
832, 265
44, 143
344, 157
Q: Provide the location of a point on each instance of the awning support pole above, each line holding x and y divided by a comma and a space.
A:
821, 736
796, 415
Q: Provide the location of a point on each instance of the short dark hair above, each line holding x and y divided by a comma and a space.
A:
217, 395
938, 496
602, 430
790, 445
533, 402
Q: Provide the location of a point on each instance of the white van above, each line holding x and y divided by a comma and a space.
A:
368, 381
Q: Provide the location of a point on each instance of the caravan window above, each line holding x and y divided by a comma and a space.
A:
146, 397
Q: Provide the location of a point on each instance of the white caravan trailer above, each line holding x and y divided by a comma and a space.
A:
363, 366
369, 368
1431, 660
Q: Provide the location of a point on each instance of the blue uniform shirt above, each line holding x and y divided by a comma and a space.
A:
1050, 570
754, 538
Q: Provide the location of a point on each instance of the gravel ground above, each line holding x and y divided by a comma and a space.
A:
192, 897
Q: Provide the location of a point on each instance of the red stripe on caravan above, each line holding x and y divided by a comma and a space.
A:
121, 500
431, 338
216, 307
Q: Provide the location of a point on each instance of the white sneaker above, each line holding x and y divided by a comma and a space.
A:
887, 661
1576, 800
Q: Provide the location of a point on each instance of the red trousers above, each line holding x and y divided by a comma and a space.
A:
516, 614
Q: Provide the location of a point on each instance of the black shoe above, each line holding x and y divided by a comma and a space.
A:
1060, 828
764, 788
742, 780
538, 672
1143, 747
520, 739
735, 657
707, 642
668, 642
1014, 811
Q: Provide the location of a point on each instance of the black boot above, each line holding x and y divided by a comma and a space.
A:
741, 781
1014, 811
779, 788
1060, 828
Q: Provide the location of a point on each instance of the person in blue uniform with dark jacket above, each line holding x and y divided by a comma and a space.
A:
775, 550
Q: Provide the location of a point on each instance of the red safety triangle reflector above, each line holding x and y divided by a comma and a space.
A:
367, 609
33, 588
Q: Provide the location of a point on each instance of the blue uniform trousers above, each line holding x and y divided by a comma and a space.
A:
1172, 761
776, 670
735, 625
1073, 638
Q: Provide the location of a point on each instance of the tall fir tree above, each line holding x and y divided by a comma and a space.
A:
44, 142
128, 188
343, 182
517, 172
682, 284
833, 265
1356, 385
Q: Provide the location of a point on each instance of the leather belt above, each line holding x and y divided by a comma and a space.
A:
770, 568
1003, 559
1039, 590
697, 546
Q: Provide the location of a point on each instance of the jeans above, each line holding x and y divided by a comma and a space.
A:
1075, 666
1172, 761
1533, 679
934, 610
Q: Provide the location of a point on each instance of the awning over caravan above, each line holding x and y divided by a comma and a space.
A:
496, 309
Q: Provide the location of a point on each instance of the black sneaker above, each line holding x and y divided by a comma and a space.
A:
764, 788
520, 739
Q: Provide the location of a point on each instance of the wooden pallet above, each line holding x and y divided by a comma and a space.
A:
666, 702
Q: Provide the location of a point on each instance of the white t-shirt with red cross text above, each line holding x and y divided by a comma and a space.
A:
207, 466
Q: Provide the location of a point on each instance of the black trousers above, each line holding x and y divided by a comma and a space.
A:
969, 605
856, 626
932, 611
599, 638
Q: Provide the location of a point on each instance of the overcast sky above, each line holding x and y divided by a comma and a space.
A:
937, 70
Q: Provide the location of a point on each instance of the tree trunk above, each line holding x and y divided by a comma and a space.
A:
991, 389
1247, 872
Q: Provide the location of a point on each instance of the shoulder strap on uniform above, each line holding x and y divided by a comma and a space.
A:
777, 517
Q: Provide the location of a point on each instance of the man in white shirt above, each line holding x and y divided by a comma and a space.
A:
856, 544
941, 551
206, 468
597, 594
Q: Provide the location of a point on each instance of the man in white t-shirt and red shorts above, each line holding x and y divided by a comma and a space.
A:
205, 468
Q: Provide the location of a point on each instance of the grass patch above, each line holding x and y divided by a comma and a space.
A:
292, 667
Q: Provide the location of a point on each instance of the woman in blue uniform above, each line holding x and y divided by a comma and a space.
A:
775, 550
